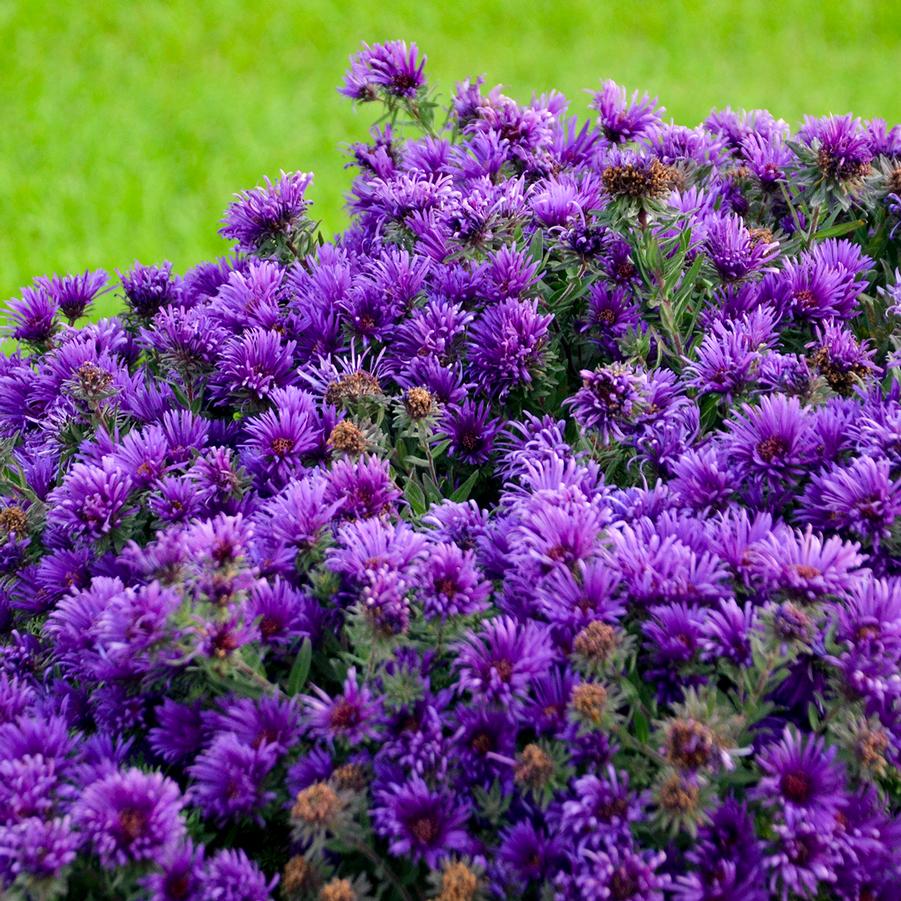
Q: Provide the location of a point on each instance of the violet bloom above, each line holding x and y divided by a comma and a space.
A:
600, 811
506, 345
609, 400
451, 583
130, 816
74, 293
148, 288
392, 67
231, 876
842, 149
253, 365
421, 823
229, 777
263, 216
32, 317
499, 662
179, 874
351, 716
36, 848
772, 439
802, 780
471, 430
91, 501
735, 251
622, 873
622, 119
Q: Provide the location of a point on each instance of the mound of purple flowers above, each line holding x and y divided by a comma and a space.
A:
537, 537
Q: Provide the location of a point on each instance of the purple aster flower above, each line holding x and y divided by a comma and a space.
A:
621, 119
278, 443
842, 150
728, 859
802, 780
803, 860
230, 775
618, 872
499, 662
471, 430
270, 719
363, 487
805, 565
506, 345
728, 632
148, 288
772, 439
735, 251
179, 733
365, 545
285, 614
231, 876
179, 874
601, 811
263, 217
38, 849
768, 157
253, 365
861, 498
351, 715
74, 293
609, 400
91, 501
32, 317
529, 854
391, 67
130, 816
421, 823
451, 585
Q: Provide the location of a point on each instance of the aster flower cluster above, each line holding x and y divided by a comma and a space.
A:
536, 537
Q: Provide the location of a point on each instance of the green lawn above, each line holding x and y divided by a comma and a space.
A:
128, 125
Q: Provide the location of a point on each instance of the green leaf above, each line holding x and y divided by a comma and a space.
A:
841, 228
300, 669
416, 497
462, 493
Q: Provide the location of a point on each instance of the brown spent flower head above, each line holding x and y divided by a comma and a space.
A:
337, 890
589, 699
689, 744
299, 877
534, 767
458, 882
13, 521
418, 402
92, 380
352, 387
894, 181
318, 805
350, 777
840, 378
871, 745
761, 236
678, 796
637, 182
596, 642
347, 438
840, 168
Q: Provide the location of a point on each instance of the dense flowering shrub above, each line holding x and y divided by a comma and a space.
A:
536, 537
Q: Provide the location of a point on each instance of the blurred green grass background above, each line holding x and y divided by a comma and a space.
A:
127, 126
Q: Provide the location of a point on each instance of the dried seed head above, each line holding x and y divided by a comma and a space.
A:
458, 883
871, 745
534, 767
317, 806
639, 182
13, 521
679, 797
894, 181
418, 403
689, 744
337, 890
589, 700
596, 642
350, 777
352, 388
299, 877
841, 168
347, 438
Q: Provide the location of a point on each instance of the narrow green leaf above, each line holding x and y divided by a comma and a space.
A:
300, 669
462, 493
